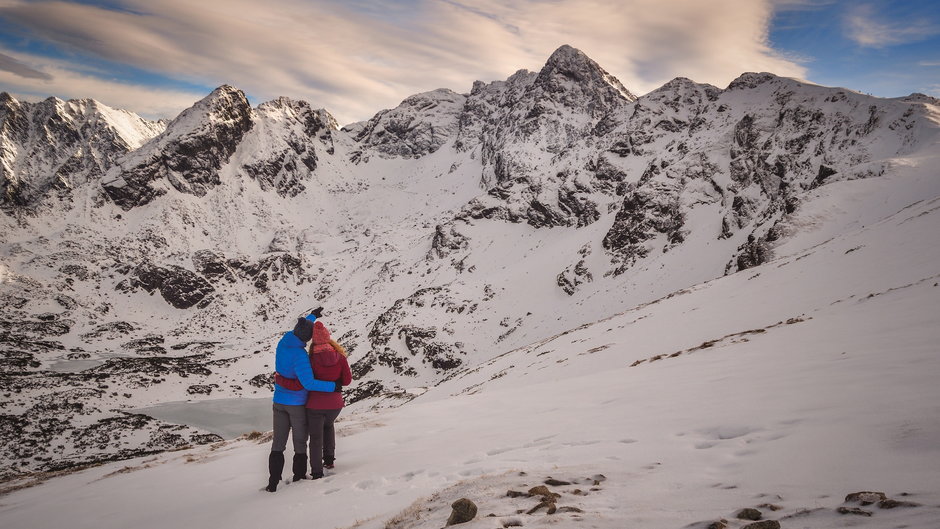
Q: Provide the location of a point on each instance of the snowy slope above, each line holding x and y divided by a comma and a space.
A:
782, 388
439, 234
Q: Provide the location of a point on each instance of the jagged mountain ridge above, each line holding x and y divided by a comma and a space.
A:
57, 145
437, 234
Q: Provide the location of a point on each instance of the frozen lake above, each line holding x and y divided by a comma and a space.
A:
228, 418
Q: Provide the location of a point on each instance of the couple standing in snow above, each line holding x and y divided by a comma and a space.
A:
307, 398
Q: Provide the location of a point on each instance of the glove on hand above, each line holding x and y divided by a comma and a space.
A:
318, 312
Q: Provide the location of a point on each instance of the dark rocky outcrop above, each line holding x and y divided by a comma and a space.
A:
865, 497
749, 514
180, 287
293, 159
853, 510
645, 213
763, 524
419, 341
575, 275
447, 240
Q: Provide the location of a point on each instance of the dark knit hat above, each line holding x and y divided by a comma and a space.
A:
303, 329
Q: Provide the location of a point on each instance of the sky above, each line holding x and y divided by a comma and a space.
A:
356, 57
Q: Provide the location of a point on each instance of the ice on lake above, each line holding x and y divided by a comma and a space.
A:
228, 418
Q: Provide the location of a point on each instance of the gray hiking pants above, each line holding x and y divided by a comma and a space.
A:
286, 419
322, 438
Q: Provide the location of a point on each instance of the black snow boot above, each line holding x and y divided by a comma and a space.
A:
300, 466
275, 467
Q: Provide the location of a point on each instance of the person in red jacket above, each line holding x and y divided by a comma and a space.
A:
328, 360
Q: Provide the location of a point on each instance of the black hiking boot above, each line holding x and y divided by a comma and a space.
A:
328, 463
300, 466
275, 467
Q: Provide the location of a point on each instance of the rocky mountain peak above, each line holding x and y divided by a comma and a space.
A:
682, 93
568, 65
568, 58
918, 97
292, 132
9, 108
752, 80
297, 109
420, 125
188, 154
224, 104
682, 83
225, 92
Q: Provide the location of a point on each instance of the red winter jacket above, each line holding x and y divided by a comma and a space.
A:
327, 364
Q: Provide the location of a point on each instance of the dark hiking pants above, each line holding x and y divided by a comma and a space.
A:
322, 438
290, 420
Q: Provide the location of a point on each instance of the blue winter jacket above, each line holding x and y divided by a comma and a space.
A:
292, 362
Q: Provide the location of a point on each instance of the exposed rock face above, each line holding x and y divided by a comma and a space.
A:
180, 288
420, 125
426, 347
571, 79
646, 212
530, 119
575, 275
299, 131
446, 241
187, 156
55, 145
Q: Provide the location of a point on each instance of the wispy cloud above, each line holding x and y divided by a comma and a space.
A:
867, 27
928, 63
64, 80
355, 58
9, 64
801, 5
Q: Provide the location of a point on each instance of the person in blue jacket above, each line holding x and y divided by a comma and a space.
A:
293, 379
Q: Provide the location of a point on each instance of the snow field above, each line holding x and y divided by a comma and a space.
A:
797, 414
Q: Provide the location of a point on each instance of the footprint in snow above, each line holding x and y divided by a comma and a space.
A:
581, 443
498, 451
408, 476
365, 485
724, 433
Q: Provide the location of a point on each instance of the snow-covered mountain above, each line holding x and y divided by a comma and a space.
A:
439, 235
55, 145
